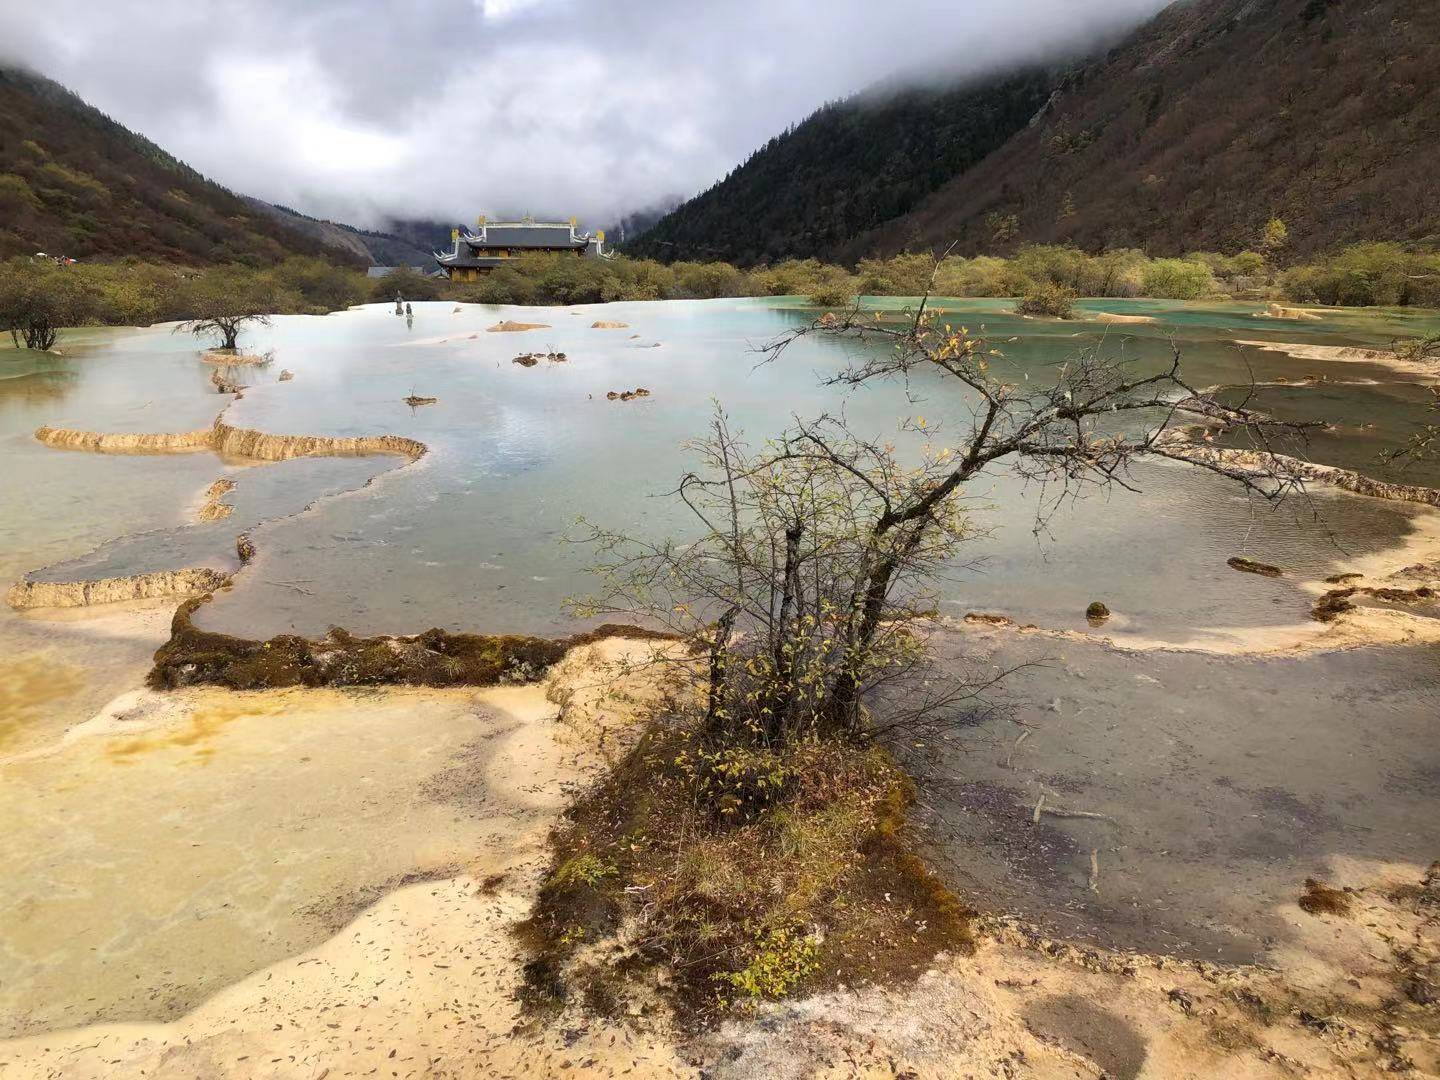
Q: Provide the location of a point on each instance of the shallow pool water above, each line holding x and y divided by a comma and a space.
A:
1222, 781
474, 536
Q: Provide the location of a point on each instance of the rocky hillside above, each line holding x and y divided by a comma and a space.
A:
851, 166
1191, 133
73, 182
1208, 121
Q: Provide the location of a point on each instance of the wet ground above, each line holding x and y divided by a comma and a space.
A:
1220, 784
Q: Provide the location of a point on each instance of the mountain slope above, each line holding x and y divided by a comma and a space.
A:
74, 182
1209, 120
849, 167
379, 248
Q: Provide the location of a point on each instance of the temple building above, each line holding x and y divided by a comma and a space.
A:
494, 243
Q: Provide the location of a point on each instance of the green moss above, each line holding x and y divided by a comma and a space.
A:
583, 869
435, 658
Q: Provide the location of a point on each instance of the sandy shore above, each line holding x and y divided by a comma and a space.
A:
419, 982
418, 979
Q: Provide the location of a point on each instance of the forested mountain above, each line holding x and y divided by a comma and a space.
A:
383, 248
1192, 133
1210, 120
73, 182
851, 166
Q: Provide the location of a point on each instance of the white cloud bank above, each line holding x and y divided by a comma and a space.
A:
363, 109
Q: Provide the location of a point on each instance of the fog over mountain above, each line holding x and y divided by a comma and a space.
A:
361, 110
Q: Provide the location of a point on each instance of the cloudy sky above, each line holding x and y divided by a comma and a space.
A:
362, 109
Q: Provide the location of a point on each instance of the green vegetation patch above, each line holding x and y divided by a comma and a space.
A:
733, 881
1048, 301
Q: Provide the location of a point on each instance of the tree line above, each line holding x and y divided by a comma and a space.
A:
38, 297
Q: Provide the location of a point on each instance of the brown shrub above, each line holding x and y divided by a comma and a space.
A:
1321, 899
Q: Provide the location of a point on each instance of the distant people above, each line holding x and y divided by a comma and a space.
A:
408, 313
399, 305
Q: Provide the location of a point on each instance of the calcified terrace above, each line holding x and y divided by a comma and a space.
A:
436, 658
225, 440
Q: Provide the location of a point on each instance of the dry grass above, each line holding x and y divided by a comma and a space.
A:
762, 876
1320, 899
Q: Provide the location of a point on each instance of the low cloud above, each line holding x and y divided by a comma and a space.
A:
366, 109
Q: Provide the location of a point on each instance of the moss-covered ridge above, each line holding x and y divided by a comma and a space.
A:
436, 657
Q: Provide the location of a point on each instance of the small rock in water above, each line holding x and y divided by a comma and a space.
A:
1249, 566
1096, 613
